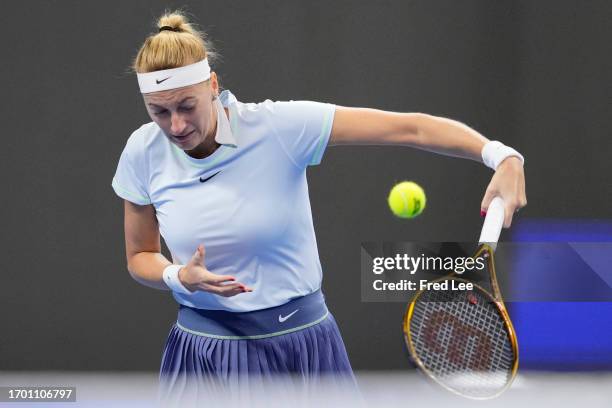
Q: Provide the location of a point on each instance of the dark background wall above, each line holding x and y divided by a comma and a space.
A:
535, 75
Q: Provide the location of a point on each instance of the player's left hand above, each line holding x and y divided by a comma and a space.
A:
508, 182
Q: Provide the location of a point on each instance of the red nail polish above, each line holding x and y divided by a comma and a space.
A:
483, 213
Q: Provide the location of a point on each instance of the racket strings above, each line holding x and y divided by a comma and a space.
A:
462, 341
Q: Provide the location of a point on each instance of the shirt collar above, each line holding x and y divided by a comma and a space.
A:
224, 135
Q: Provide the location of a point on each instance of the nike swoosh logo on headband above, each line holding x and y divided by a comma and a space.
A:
159, 81
202, 180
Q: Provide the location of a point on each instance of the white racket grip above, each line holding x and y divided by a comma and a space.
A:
493, 223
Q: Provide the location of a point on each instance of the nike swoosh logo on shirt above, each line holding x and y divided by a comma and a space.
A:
159, 81
202, 180
281, 319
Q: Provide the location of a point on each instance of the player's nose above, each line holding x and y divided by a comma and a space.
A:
177, 124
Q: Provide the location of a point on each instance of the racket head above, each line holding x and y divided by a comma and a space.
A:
462, 339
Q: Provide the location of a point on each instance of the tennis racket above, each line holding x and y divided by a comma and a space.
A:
464, 339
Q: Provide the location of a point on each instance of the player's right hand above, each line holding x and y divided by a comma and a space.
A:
194, 276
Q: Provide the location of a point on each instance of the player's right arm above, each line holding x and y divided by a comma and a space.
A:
146, 263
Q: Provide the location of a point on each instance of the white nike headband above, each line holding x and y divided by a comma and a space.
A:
174, 78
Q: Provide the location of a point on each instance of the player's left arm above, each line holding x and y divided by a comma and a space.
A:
363, 126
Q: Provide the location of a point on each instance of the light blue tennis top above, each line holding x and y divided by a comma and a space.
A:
254, 215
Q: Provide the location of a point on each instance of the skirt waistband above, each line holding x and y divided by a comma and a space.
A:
297, 314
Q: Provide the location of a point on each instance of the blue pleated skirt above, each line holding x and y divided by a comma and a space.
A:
218, 353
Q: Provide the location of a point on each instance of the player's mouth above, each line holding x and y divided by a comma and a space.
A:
184, 138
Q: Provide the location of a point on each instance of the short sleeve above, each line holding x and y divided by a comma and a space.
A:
303, 129
128, 182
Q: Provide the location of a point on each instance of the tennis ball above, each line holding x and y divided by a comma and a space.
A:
407, 199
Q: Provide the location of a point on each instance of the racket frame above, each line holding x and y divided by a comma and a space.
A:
485, 250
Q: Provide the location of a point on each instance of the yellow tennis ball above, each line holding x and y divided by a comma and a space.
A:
407, 199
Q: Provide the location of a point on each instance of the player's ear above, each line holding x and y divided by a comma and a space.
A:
214, 84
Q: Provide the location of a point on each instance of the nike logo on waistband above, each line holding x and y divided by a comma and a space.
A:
202, 180
159, 81
281, 319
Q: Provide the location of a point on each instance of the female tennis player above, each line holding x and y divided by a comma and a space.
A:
224, 183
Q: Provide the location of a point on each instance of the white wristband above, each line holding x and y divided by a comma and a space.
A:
171, 279
494, 152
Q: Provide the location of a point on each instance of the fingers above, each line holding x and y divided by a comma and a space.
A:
513, 208
198, 256
218, 279
509, 213
508, 182
227, 290
230, 284
513, 203
510, 208
486, 200
223, 285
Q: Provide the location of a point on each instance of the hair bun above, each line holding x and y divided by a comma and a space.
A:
166, 51
173, 21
